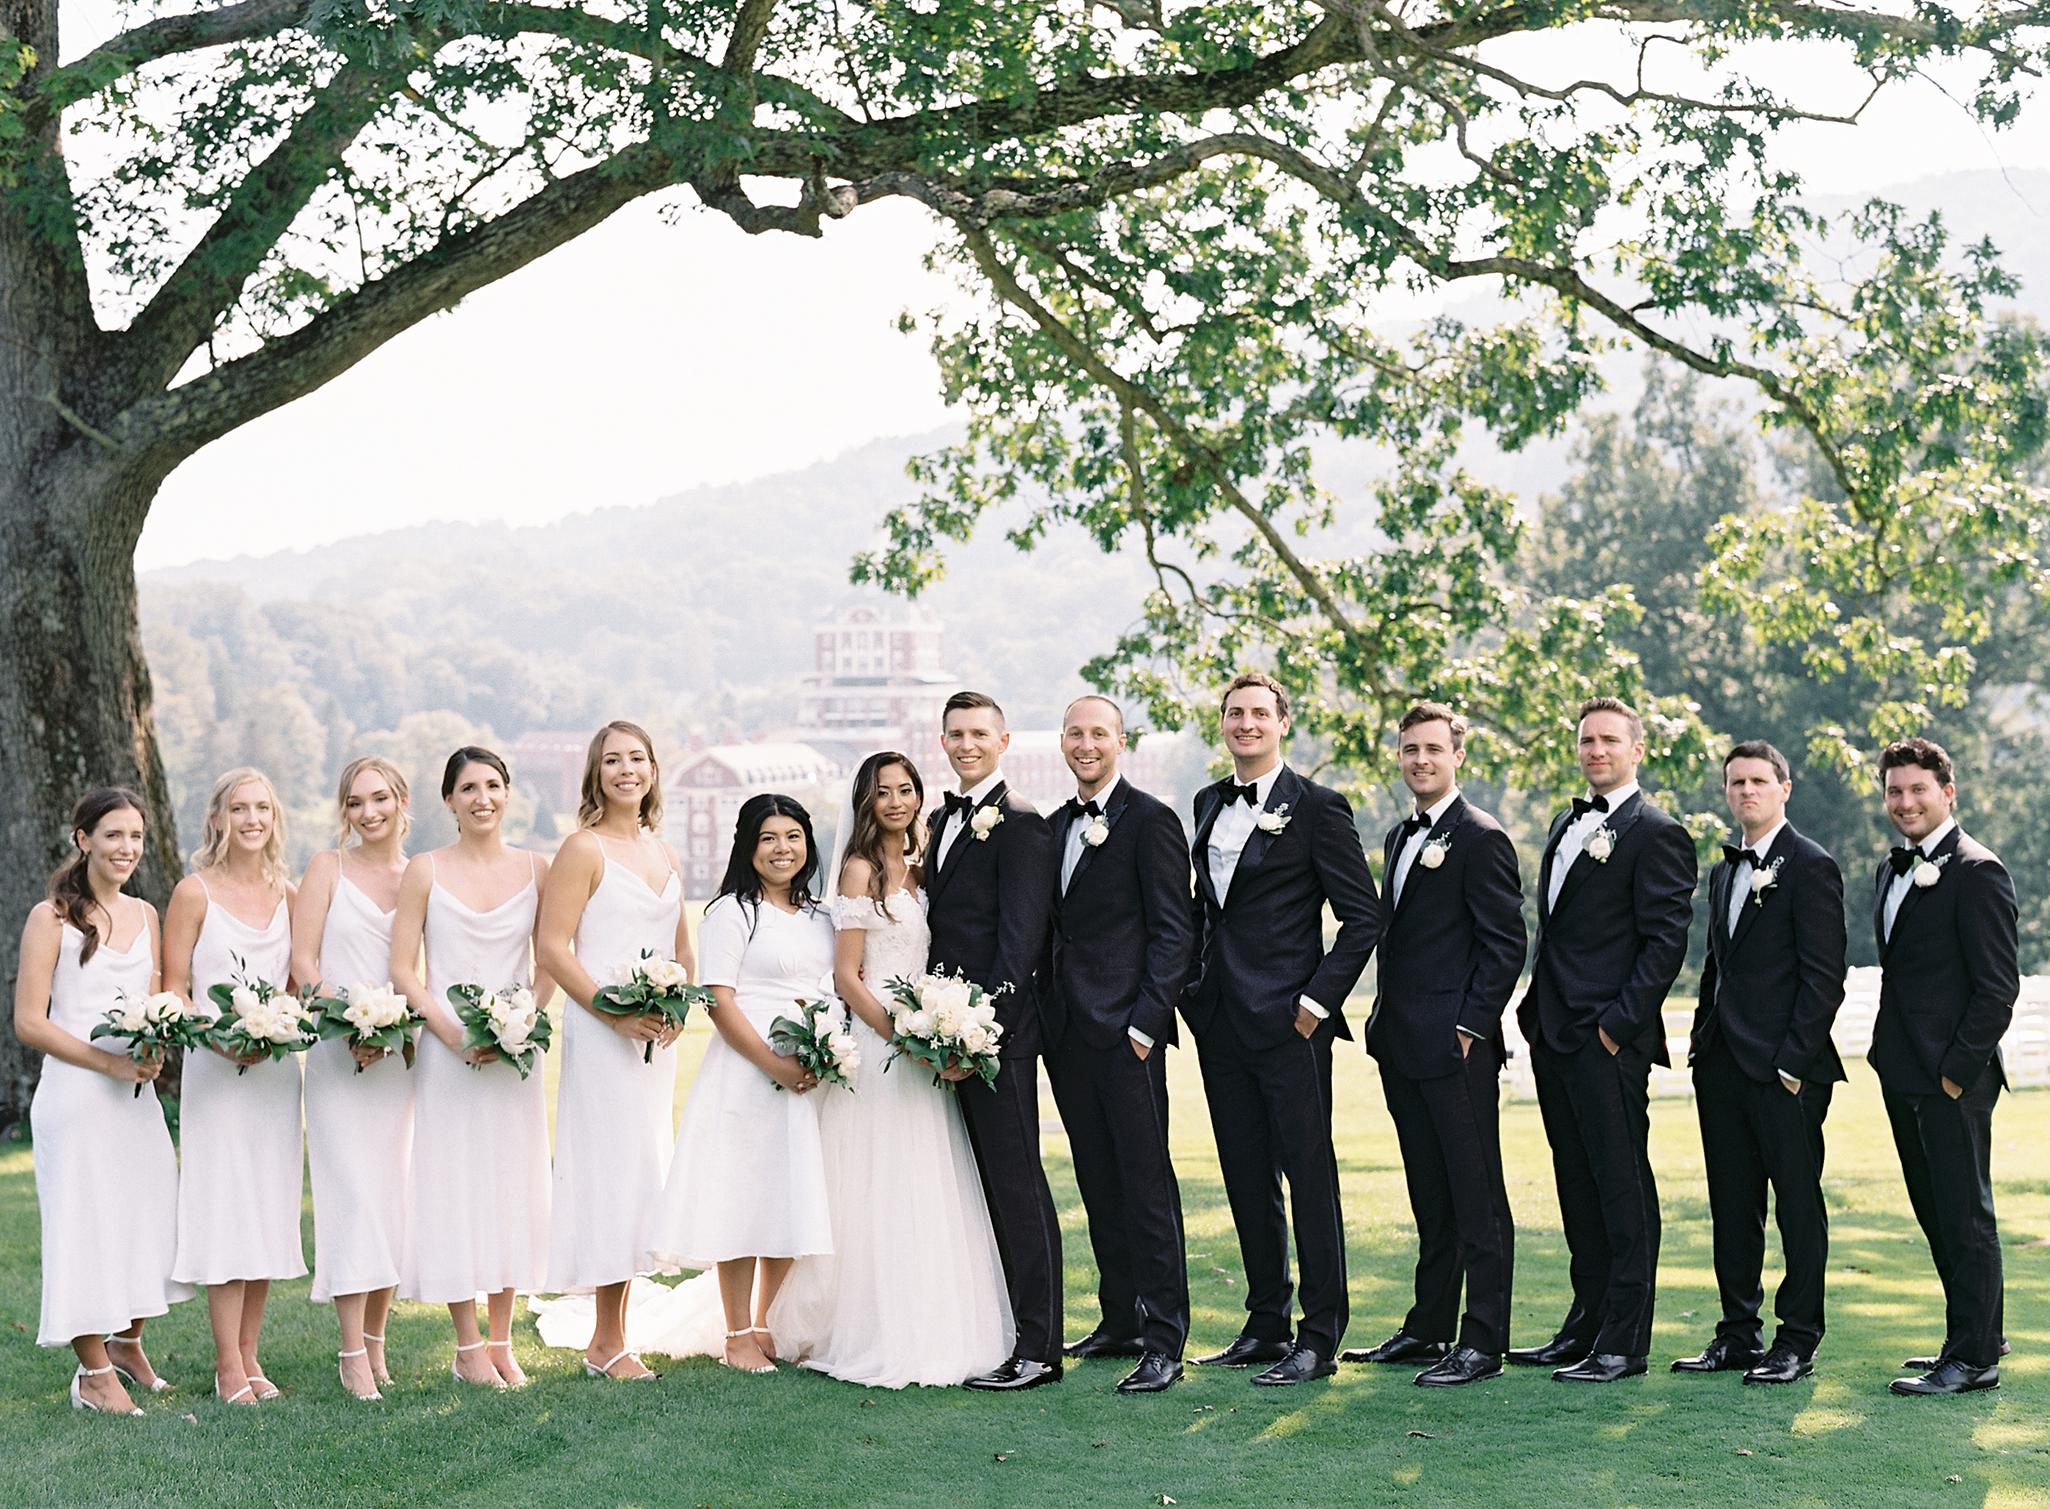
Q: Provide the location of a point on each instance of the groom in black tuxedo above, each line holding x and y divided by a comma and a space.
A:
1451, 951
1271, 849
1615, 900
1943, 913
989, 880
1764, 1067
1124, 937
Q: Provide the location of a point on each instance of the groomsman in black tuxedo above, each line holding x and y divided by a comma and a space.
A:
989, 880
1124, 937
1615, 898
1943, 911
1451, 951
1764, 1067
1271, 849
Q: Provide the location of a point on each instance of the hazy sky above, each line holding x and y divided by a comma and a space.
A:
647, 358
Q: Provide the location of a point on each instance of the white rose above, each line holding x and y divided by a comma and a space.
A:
1096, 833
164, 1006
513, 1035
931, 991
361, 1016
983, 1013
134, 1018
919, 1025
521, 1000
244, 1000
1432, 856
1761, 880
948, 1019
1601, 846
984, 822
977, 1041
666, 974
1927, 874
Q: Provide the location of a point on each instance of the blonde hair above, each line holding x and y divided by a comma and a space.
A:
213, 843
393, 777
591, 795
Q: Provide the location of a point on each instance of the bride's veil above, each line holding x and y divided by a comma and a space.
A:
843, 834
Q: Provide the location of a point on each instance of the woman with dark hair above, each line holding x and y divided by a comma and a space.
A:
106, 1177
479, 1213
745, 1193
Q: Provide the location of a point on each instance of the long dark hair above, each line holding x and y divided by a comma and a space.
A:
70, 892
866, 839
740, 881
471, 754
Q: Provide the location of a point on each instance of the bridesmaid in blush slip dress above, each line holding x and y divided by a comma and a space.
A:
478, 1221
241, 1180
359, 1101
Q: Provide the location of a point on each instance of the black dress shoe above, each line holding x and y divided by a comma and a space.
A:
1781, 1365
1949, 1377
1601, 1367
1461, 1365
1015, 1374
1301, 1365
1720, 1356
1931, 1364
1559, 1350
1401, 1347
1100, 1343
1156, 1371
1244, 1352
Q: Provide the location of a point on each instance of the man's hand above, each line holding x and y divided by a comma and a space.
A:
1952, 1088
1465, 1043
1142, 1049
1608, 1042
1306, 1021
1792, 1084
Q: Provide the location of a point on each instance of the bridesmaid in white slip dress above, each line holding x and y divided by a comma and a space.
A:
359, 1101
851, 1314
240, 1182
614, 894
478, 1221
746, 1192
106, 1176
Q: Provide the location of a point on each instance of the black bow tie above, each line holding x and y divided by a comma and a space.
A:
1904, 860
1234, 792
1737, 856
1582, 805
956, 802
1077, 807
1414, 824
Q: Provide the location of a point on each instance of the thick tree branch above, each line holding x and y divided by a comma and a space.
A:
750, 28
165, 37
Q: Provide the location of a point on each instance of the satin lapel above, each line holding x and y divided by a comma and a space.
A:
1391, 847
935, 873
1110, 820
1286, 792
1559, 825
1880, 886
1900, 918
1758, 902
1448, 820
1199, 846
1618, 824
1719, 908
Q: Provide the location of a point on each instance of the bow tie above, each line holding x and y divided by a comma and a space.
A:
1076, 806
1414, 824
1737, 856
1582, 805
1904, 860
956, 802
1234, 792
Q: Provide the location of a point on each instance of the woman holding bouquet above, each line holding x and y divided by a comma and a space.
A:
746, 1191
359, 1099
614, 896
106, 1176
230, 922
479, 1212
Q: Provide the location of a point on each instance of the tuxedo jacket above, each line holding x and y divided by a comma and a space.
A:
988, 906
1451, 947
1610, 949
1124, 933
1263, 947
1771, 990
1950, 975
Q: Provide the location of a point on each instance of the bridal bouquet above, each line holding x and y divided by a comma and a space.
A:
654, 987
827, 1052
508, 1020
371, 1016
258, 1018
945, 1021
153, 1026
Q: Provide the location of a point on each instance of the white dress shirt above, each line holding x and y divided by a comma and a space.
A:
1574, 840
1741, 873
954, 831
1229, 835
1071, 855
1902, 884
1405, 857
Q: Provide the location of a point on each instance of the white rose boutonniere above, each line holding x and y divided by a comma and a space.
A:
1928, 872
1433, 852
1764, 880
984, 822
1275, 821
1097, 831
1601, 844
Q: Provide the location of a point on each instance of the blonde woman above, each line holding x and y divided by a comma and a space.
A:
239, 1185
614, 893
359, 1101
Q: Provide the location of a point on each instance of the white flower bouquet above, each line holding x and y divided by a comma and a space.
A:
508, 1020
828, 1052
256, 1019
654, 987
153, 1026
945, 1022
366, 1015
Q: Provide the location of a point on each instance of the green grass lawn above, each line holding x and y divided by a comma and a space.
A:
703, 1435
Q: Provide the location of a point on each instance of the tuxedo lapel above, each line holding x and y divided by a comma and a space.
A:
1881, 884
1111, 811
1286, 790
933, 871
1199, 847
1757, 901
1559, 825
1719, 908
1909, 901
1447, 823
1618, 824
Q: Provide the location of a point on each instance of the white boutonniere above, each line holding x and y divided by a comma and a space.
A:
1275, 821
1764, 880
1601, 844
1097, 831
1929, 871
984, 822
1433, 852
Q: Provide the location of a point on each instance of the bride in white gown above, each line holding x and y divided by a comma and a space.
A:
913, 1291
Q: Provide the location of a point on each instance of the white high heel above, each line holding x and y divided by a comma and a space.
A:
593, 1370
768, 1351
385, 1376
494, 1381
340, 1358
79, 1401
231, 1398
744, 1331
156, 1385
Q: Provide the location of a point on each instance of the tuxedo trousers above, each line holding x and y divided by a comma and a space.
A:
1595, 1107
1756, 1135
1003, 1129
1270, 1110
1448, 1129
1114, 1106
1945, 1149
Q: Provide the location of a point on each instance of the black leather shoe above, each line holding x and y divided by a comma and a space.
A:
1016, 1374
1301, 1365
1401, 1347
1781, 1365
1100, 1343
1461, 1365
1601, 1367
1949, 1377
1931, 1364
1720, 1356
1244, 1352
1156, 1371
1559, 1350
